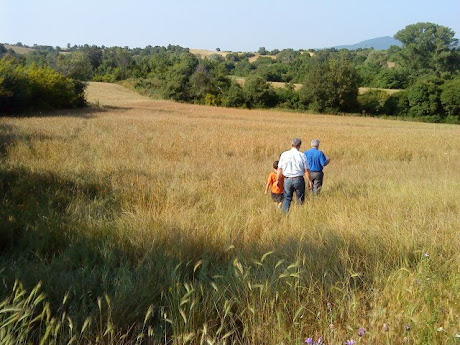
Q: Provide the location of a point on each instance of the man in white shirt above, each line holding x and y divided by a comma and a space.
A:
293, 164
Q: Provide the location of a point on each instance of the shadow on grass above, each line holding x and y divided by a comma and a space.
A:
64, 232
88, 112
43, 238
9, 135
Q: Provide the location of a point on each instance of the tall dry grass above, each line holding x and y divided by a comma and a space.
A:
161, 205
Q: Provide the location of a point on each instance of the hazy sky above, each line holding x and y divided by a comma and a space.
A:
238, 25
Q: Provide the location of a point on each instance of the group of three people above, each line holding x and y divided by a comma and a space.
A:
289, 173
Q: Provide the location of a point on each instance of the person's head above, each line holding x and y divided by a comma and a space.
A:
296, 142
315, 143
275, 165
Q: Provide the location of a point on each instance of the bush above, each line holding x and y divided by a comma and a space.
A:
234, 97
373, 102
36, 88
259, 93
331, 86
425, 98
397, 104
450, 97
288, 97
391, 78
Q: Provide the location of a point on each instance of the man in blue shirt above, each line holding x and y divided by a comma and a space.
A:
317, 160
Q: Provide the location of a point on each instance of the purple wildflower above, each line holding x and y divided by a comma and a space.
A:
320, 341
350, 342
362, 331
309, 340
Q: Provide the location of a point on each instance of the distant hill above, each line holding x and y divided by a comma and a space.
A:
379, 43
18, 49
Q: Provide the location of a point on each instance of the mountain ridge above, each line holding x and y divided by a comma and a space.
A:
378, 43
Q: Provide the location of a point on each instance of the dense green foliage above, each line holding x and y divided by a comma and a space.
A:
331, 86
450, 99
330, 77
425, 98
30, 88
376, 102
429, 48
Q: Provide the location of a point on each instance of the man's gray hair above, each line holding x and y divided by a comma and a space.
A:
296, 142
315, 143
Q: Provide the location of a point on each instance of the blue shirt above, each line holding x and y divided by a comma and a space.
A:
316, 159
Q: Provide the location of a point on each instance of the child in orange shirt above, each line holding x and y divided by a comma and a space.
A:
277, 188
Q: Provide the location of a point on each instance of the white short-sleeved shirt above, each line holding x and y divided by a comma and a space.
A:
293, 162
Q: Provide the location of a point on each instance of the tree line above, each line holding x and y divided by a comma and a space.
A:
425, 69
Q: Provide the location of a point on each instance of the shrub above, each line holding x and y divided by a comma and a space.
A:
397, 104
213, 100
288, 97
36, 88
259, 93
331, 86
391, 78
234, 96
373, 102
450, 97
425, 98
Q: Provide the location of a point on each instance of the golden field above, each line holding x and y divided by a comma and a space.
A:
161, 204
277, 85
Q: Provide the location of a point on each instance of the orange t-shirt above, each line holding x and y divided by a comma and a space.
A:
272, 181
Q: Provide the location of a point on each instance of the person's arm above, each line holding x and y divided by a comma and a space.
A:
267, 187
324, 160
308, 176
307, 172
279, 172
279, 176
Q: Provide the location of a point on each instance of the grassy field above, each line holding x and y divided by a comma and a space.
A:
18, 49
277, 85
146, 221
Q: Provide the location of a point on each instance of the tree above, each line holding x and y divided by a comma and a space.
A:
331, 86
234, 96
373, 101
3, 50
287, 56
425, 98
288, 97
76, 65
177, 77
243, 68
202, 81
428, 47
450, 97
391, 78
259, 93
94, 54
232, 57
262, 51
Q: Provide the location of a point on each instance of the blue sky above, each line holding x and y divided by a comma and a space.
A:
238, 25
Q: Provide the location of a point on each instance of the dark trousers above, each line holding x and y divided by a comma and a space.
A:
291, 185
317, 178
